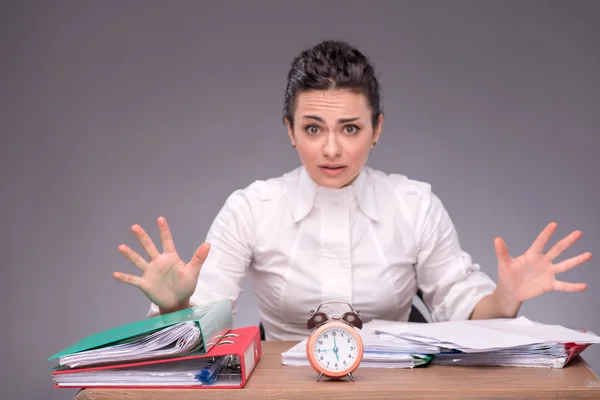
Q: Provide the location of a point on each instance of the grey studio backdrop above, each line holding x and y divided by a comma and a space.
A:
116, 112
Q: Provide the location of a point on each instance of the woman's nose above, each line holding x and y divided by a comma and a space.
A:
331, 147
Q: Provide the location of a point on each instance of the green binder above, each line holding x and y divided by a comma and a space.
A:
213, 319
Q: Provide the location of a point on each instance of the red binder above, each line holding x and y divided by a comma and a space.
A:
242, 343
574, 349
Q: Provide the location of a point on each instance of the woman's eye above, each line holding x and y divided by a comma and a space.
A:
312, 130
351, 129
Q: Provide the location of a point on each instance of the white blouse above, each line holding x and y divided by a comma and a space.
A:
372, 244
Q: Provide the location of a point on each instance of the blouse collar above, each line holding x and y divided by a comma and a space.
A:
306, 192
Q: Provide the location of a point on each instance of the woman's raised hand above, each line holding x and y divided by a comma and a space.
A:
534, 273
166, 279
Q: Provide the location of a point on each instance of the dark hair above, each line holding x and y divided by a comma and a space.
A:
332, 65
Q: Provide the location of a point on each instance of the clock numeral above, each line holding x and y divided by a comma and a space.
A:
349, 340
344, 362
328, 363
351, 347
349, 356
326, 336
333, 333
342, 334
320, 342
321, 358
336, 365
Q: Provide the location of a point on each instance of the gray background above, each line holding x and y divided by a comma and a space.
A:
116, 112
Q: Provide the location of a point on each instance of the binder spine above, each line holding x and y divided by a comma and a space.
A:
245, 344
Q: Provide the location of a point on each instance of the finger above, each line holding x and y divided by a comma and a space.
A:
563, 244
545, 235
128, 279
145, 241
569, 287
133, 257
165, 235
572, 262
200, 256
501, 251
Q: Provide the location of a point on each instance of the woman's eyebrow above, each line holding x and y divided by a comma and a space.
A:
341, 120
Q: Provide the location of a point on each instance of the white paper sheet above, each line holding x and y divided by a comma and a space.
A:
171, 341
483, 335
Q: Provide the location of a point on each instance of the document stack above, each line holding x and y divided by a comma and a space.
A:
192, 348
516, 342
380, 351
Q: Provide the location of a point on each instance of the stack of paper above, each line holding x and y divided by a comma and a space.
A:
186, 372
171, 341
543, 356
505, 342
175, 349
380, 351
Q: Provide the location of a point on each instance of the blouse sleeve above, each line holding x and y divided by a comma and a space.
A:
231, 238
450, 281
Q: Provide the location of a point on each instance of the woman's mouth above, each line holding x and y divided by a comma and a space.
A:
332, 170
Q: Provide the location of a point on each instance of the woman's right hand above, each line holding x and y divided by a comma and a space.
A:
166, 279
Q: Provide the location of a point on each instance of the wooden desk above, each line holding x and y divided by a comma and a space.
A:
271, 380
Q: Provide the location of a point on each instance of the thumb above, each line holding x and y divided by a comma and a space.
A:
200, 256
501, 251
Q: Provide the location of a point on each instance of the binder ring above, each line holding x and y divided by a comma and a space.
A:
225, 342
226, 335
217, 337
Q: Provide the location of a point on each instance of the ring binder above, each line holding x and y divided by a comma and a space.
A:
171, 351
211, 320
240, 355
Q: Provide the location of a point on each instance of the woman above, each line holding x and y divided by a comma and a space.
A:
337, 229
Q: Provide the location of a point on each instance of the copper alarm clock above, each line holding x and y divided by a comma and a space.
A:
334, 348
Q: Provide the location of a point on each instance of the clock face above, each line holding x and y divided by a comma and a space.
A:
335, 349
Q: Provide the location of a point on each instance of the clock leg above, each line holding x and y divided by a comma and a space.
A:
319, 377
350, 376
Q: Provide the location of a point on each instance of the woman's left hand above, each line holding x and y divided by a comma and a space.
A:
533, 273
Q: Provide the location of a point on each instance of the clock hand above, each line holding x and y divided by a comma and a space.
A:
335, 349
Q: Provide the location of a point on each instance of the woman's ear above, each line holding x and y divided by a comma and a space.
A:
377, 129
290, 131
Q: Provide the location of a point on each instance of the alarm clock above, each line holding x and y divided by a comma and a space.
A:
334, 348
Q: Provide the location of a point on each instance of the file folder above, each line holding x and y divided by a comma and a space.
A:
213, 320
242, 346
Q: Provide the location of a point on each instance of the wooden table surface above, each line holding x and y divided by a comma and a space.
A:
271, 380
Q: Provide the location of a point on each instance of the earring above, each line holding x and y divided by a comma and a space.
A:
374, 143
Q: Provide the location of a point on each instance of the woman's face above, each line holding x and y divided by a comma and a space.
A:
333, 134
